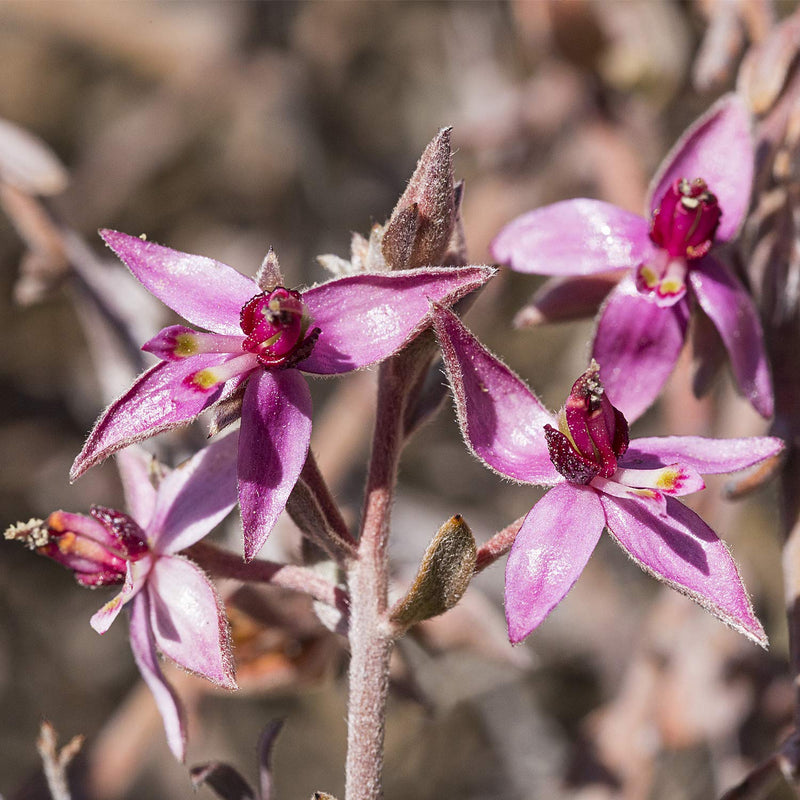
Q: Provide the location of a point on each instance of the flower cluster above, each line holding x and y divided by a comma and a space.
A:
258, 340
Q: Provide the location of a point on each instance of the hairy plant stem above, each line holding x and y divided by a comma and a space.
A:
223, 564
370, 637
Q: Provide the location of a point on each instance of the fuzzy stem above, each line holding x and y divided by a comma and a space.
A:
370, 639
223, 564
497, 546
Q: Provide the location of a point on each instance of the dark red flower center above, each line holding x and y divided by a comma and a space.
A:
275, 324
592, 433
686, 220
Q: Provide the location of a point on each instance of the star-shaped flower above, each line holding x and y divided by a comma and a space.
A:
697, 201
174, 608
262, 336
599, 480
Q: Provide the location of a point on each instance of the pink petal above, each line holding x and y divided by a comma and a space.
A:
731, 309
188, 620
718, 148
707, 456
275, 431
134, 580
159, 400
549, 553
574, 237
367, 317
196, 496
144, 653
683, 552
501, 419
134, 464
676, 479
201, 290
567, 298
636, 345
178, 342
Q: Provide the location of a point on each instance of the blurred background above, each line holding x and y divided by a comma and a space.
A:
222, 128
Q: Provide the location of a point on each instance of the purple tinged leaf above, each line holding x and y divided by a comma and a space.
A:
274, 437
203, 291
144, 653
196, 496
367, 317
636, 345
188, 620
158, 400
718, 148
501, 419
574, 237
707, 456
683, 552
549, 553
731, 309
134, 465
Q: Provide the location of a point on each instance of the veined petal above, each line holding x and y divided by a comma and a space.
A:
135, 578
188, 620
574, 237
549, 553
718, 148
144, 653
683, 552
367, 317
178, 342
707, 456
133, 464
674, 479
160, 399
731, 309
274, 437
203, 291
501, 419
196, 496
636, 345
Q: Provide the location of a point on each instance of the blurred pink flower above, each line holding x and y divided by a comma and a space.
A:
259, 342
600, 480
698, 199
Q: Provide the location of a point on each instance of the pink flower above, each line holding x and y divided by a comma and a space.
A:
600, 479
174, 608
260, 340
698, 200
